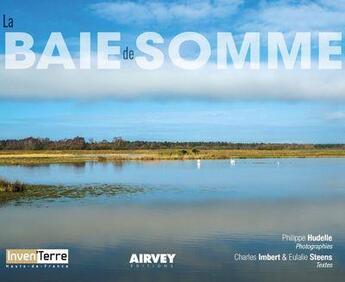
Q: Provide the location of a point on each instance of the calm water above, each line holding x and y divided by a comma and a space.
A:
204, 213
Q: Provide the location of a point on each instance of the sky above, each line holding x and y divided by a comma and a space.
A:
172, 104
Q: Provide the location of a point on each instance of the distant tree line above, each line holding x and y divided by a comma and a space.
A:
79, 143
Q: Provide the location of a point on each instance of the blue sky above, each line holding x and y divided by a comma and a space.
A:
278, 107
175, 120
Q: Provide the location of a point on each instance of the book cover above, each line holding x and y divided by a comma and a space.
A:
183, 140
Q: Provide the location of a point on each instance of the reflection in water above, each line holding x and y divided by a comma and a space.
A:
161, 222
118, 164
198, 164
246, 210
80, 164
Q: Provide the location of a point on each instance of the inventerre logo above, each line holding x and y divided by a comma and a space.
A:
152, 260
37, 258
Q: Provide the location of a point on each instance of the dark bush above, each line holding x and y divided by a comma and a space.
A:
7, 186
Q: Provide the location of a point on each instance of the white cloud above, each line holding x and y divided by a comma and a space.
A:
336, 116
291, 16
146, 12
170, 82
284, 15
263, 15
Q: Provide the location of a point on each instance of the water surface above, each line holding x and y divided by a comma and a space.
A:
205, 213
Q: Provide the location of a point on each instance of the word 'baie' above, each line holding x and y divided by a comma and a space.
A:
19, 53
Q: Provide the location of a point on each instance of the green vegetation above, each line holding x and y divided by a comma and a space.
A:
79, 143
31, 151
28, 193
7, 186
79, 157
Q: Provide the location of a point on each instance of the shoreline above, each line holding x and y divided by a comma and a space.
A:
79, 156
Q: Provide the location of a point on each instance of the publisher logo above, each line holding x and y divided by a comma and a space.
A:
152, 260
36, 256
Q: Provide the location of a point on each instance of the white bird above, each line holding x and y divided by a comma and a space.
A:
198, 163
232, 162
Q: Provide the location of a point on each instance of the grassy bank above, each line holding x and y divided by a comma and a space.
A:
25, 193
75, 156
14, 190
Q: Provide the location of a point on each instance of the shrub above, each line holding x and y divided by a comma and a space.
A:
101, 159
7, 186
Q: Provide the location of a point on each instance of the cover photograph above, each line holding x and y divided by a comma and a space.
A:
172, 140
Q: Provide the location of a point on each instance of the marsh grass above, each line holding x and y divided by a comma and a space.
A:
11, 187
28, 193
82, 156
